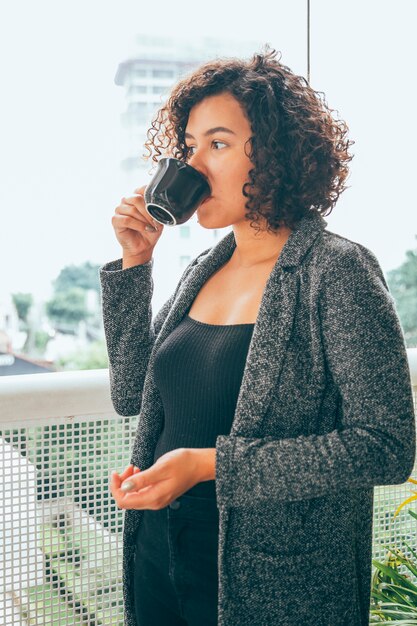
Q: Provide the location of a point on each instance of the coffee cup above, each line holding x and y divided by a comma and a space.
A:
175, 192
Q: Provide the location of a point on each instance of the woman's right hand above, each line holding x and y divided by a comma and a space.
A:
135, 229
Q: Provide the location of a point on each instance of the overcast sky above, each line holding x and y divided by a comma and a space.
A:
61, 141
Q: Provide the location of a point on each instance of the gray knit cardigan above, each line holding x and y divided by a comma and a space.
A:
324, 414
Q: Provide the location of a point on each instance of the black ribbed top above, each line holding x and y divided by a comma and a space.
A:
198, 370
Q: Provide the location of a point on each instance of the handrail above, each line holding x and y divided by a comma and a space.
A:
82, 392
412, 361
55, 394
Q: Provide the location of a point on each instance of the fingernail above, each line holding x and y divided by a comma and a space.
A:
150, 228
127, 485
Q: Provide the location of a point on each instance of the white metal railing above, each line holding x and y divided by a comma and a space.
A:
60, 531
60, 536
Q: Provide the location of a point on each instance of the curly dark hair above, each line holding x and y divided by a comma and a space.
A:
299, 150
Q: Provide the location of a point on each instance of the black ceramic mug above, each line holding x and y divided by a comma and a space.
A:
175, 192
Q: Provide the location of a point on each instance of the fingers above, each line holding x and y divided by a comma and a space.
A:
138, 202
117, 479
140, 191
130, 469
146, 479
135, 215
142, 496
126, 216
115, 482
146, 498
127, 472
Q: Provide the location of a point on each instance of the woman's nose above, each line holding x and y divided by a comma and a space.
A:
196, 160
201, 168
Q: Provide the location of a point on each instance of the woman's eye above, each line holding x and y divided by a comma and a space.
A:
190, 148
219, 142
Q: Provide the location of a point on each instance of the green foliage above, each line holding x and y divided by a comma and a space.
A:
41, 340
402, 283
394, 587
68, 306
22, 302
84, 276
94, 357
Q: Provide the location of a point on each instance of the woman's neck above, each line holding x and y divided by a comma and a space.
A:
254, 249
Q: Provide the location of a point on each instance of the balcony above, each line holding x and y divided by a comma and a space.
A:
61, 533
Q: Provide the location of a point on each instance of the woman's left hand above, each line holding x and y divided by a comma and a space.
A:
169, 477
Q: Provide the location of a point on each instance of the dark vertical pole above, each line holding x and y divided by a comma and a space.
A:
308, 41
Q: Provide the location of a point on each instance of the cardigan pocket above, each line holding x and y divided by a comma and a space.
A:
301, 589
273, 528
295, 529
310, 588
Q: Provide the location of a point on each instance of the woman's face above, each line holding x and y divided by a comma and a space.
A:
217, 131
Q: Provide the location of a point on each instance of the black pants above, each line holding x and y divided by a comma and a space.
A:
176, 576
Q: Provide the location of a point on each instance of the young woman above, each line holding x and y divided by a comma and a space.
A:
272, 388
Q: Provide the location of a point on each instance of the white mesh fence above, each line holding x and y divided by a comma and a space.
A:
60, 532
402, 529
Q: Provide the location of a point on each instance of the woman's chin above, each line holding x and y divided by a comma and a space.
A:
207, 222
207, 218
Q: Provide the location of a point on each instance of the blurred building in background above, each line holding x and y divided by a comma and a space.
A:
157, 63
154, 67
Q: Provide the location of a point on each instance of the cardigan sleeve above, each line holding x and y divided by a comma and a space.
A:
366, 356
129, 329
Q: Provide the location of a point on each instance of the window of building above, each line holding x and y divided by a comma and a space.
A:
137, 113
162, 73
139, 72
140, 108
184, 232
137, 89
160, 89
184, 260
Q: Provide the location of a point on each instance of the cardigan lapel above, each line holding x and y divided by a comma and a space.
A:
273, 325
273, 329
